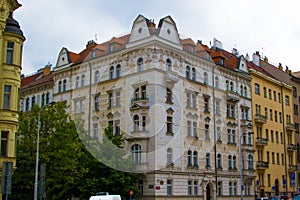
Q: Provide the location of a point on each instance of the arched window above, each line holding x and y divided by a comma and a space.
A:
169, 155
136, 151
140, 64
207, 160
230, 162
168, 95
227, 85
111, 72
82, 80
193, 74
250, 162
187, 72
64, 85
205, 78
219, 161
189, 158
195, 158
77, 82
97, 76
231, 86
59, 86
217, 82
168, 65
245, 91
136, 122
118, 71
242, 90
234, 162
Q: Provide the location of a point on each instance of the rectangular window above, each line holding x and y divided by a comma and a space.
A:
275, 116
297, 127
189, 128
110, 100
235, 188
96, 102
265, 92
95, 131
278, 158
256, 88
7, 94
195, 129
118, 98
218, 107
219, 189
269, 180
4, 143
190, 188
287, 100
169, 124
10, 53
277, 137
271, 114
270, 94
207, 137
272, 136
195, 188
144, 123
273, 158
274, 93
295, 109
169, 187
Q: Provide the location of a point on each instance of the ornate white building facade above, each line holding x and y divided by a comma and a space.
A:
159, 91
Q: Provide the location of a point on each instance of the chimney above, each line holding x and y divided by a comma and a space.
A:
266, 59
46, 70
256, 58
151, 23
280, 66
199, 41
217, 44
235, 52
90, 43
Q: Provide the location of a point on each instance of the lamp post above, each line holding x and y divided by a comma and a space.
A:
37, 156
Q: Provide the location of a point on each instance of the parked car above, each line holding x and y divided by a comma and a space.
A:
296, 197
279, 198
262, 198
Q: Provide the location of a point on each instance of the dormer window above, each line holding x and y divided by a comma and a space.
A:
192, 49
222, 61
111, 47
93, 54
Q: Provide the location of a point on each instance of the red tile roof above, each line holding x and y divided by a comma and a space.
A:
35, 80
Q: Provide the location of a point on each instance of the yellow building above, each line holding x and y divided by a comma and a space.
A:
11, 42
273, 128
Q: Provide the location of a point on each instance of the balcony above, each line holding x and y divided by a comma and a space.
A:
292, 168
232, 96
171, 77
292, 147
261, 141
139, 99
138, 135
258, 118
245, 123
262, 165
290, 127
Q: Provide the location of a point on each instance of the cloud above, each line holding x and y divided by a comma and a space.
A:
269, 26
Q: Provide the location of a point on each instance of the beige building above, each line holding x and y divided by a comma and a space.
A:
159, 90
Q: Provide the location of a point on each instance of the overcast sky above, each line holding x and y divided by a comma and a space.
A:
271, 27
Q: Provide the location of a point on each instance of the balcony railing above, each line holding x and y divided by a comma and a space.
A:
260, 118
262, 165
293, 168
292, 147
261, 141
232, 95
290, 126
139, 99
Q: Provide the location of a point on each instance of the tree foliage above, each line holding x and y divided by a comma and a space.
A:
71, 170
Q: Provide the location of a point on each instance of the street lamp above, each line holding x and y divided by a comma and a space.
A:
37, 152
37, 155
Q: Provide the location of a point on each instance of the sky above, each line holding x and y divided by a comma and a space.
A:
271, 27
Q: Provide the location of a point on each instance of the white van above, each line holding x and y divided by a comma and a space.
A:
106, 197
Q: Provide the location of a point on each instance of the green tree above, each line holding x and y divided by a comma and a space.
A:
60, 149
72, 169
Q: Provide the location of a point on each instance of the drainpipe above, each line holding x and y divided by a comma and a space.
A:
284, 139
